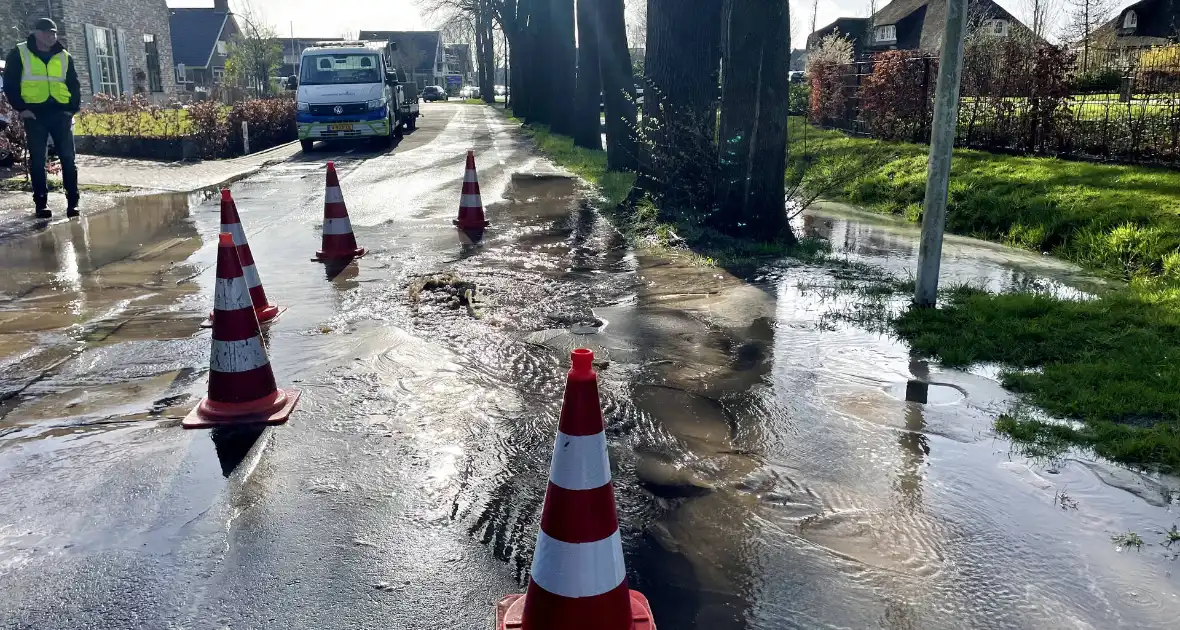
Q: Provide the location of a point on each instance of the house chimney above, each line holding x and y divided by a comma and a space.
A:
221, 5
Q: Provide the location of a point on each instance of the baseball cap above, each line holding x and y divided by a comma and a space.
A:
45, 24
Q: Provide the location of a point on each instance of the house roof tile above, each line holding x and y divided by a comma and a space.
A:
194, 35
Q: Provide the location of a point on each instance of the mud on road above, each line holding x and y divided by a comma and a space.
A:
770, 471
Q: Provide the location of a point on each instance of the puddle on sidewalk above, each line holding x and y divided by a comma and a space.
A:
87, 308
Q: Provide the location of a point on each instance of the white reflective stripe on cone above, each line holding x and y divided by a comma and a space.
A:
580, 462
333, 195
578, 569
238, 356
470, 178
337, 226
470, 201
251, 273
237, 231
231, 294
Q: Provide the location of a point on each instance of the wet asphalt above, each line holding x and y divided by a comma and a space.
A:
770, 472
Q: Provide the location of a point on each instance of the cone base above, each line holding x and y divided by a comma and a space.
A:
472, 225
265, 316
510, 613
322, 256
198, 419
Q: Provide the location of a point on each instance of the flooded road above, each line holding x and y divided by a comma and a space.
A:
770, 471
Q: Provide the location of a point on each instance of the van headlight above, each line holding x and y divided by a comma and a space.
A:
302, 106
375, 104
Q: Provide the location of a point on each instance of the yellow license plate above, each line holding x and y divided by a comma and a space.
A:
340, 127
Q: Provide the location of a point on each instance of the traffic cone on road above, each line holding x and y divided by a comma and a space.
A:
338, 241
578, 580
242, 386
471, 217
232, 224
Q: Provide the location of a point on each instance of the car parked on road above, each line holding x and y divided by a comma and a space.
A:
434, 93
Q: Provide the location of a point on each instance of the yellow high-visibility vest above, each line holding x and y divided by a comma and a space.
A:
40, 81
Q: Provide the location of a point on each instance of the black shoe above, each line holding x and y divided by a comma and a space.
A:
72, 207
42, 211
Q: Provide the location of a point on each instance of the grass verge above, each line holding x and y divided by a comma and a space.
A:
1111, 363
642, 222
1121, 220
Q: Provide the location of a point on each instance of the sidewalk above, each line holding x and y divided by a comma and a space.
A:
142, 176
176, 176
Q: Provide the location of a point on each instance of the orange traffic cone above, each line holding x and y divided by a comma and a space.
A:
338, 240
232, 224
242, 386
470, 204
578, 580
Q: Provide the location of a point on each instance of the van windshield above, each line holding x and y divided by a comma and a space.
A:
338, 69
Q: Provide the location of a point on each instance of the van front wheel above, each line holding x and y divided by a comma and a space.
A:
307, 145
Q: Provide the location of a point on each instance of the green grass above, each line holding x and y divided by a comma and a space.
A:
585, 163
1122, 220
1111, 363
20, 184
473, 101
166, 124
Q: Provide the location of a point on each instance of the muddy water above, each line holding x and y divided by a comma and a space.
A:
772, 473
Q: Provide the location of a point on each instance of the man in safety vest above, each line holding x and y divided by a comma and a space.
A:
41, 83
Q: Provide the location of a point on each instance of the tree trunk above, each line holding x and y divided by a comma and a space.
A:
680, 102
540, 76
480, 44
487, 59
523, 58
622, 147
564, 66
753, 134
587, 128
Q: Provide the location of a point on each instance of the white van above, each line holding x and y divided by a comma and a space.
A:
346, 90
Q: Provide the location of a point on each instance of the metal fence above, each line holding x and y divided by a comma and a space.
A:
1106, 105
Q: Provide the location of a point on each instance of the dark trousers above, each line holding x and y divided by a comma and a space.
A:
57, 125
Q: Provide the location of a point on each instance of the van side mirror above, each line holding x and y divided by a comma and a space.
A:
292, 82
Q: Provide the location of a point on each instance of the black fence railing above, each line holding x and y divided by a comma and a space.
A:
1105, 105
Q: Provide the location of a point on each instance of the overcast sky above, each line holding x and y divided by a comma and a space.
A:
311, 20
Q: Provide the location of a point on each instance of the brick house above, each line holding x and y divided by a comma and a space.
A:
200, 45
121, 47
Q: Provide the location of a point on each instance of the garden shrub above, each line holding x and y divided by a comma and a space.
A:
12, 139
271, 122
894, 102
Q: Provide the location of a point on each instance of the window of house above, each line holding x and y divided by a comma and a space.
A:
106, 56
152, 50
1131, 21
886, 33
221, 47
999, 28
218, 75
